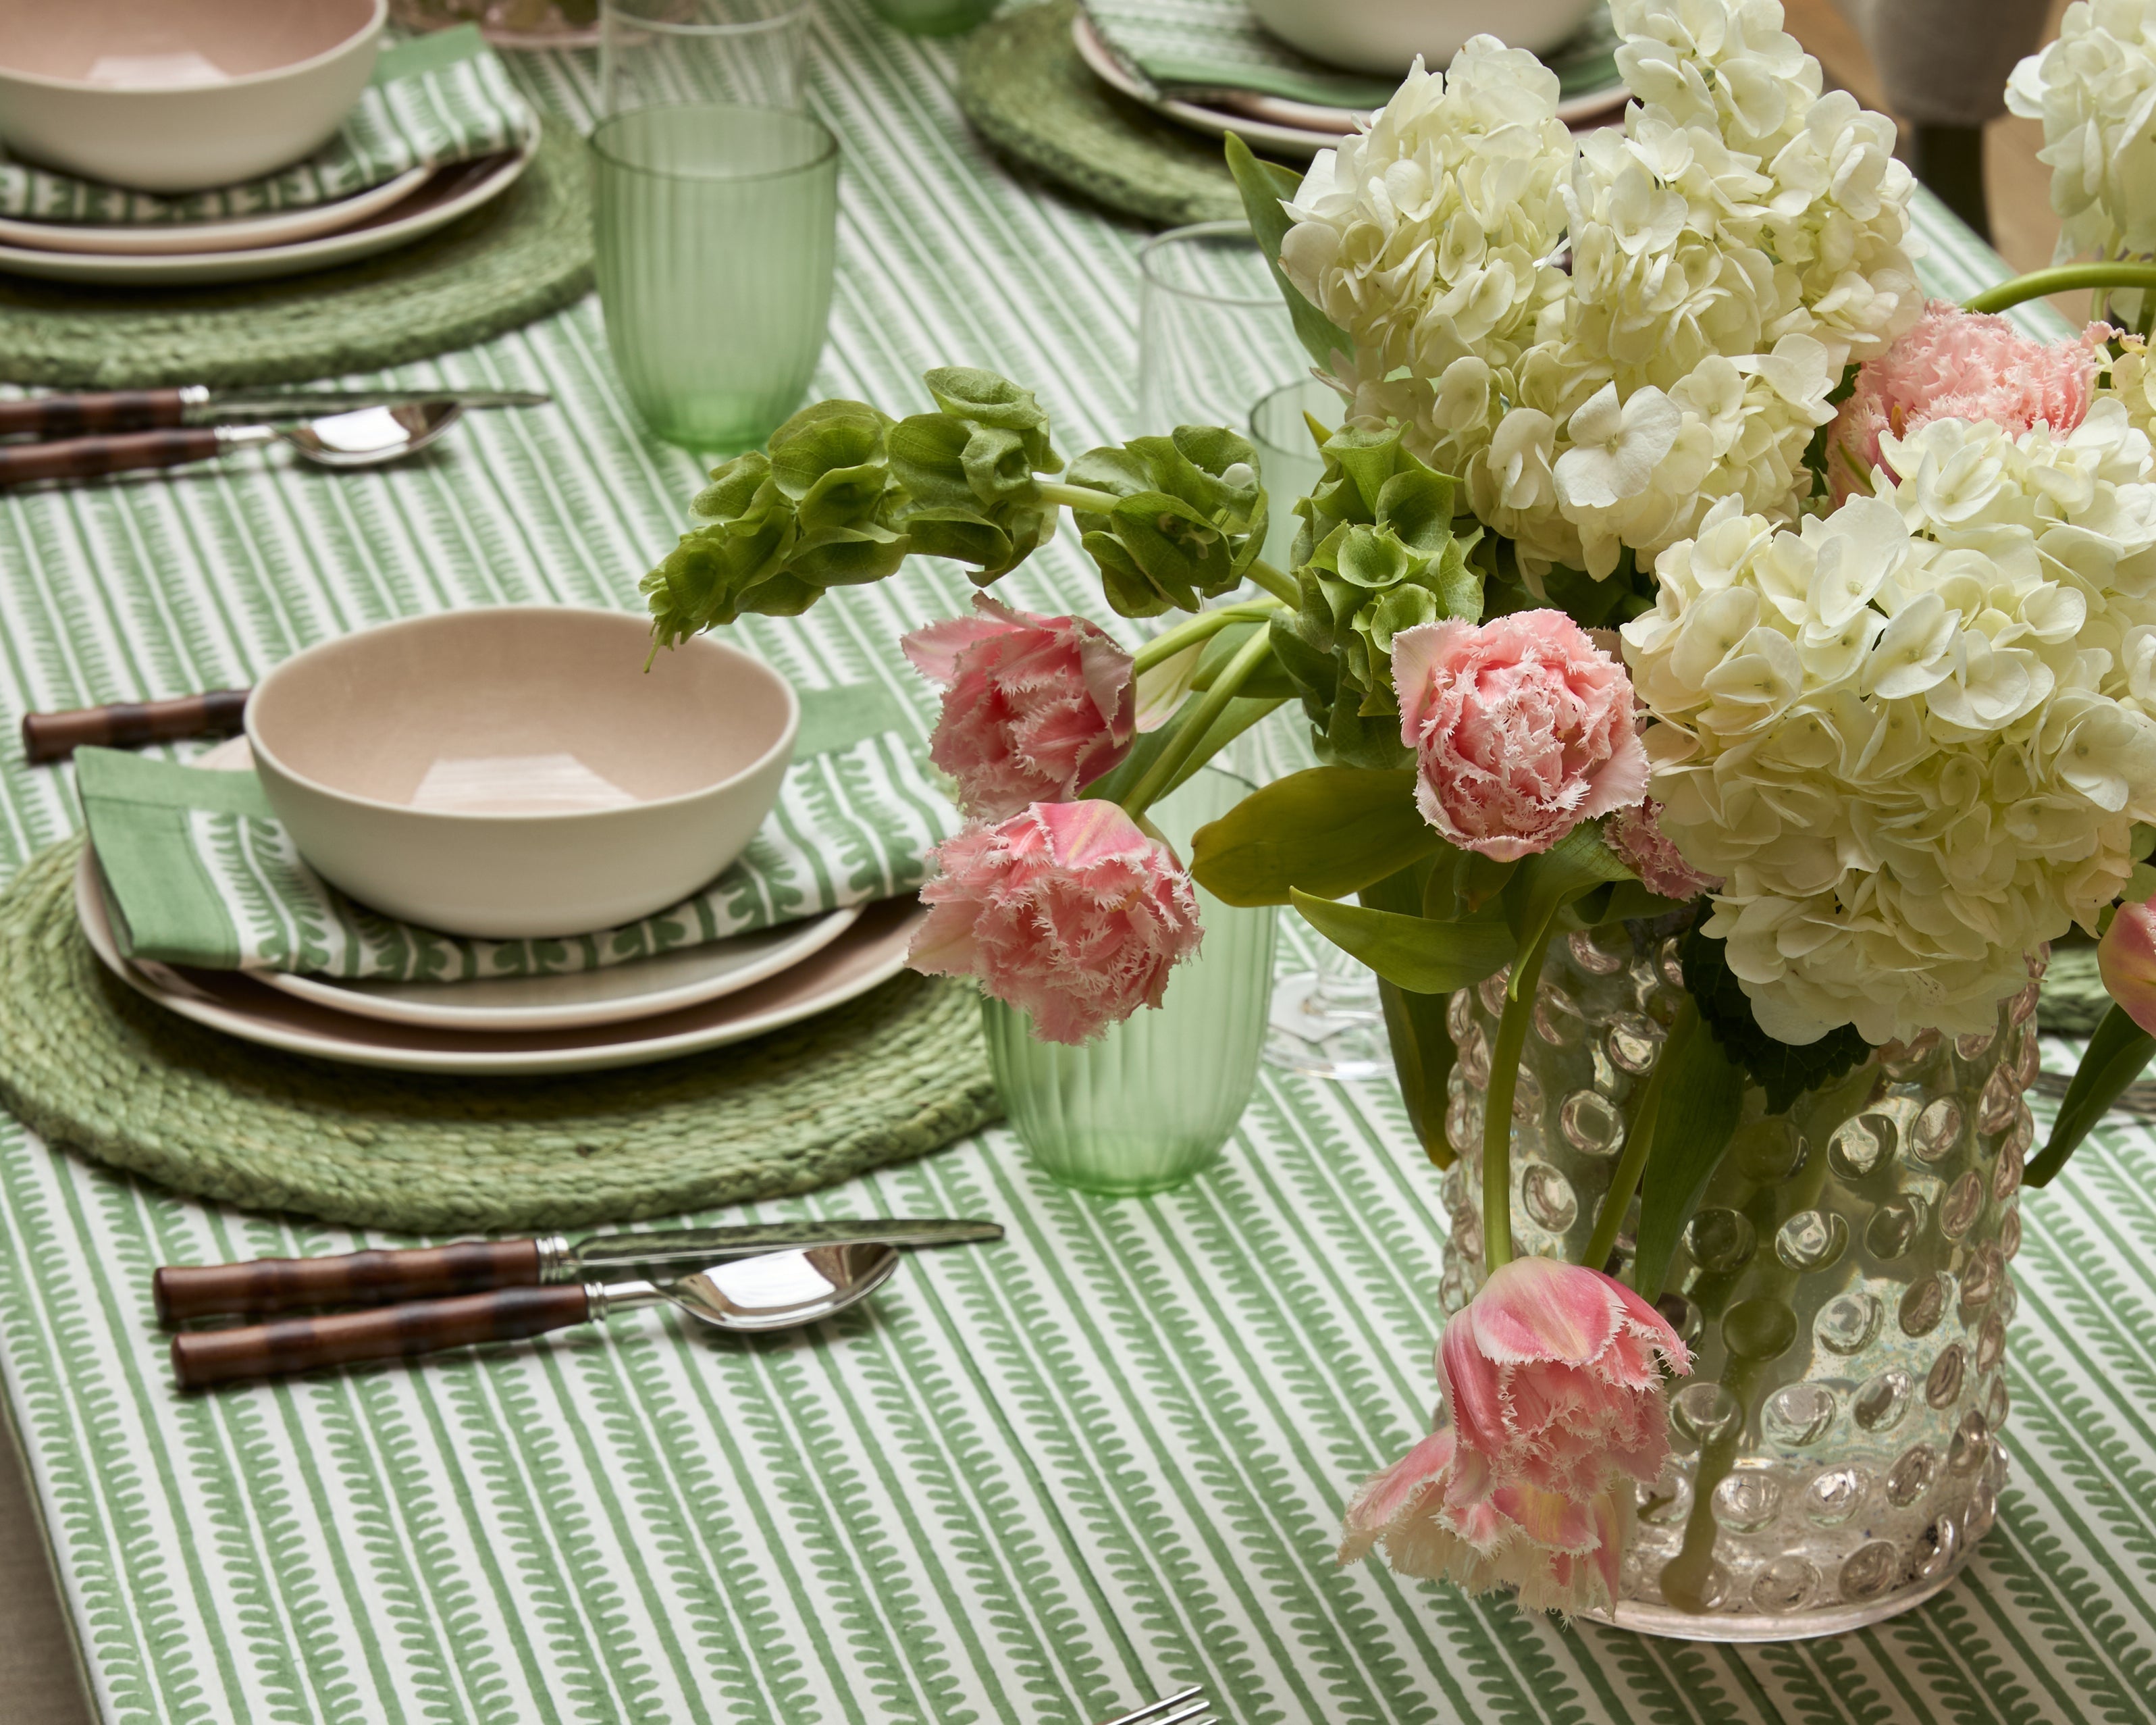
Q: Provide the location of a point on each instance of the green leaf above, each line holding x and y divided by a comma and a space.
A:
1418, 954
1540, 885
1423, 1053
1331, 831
1263, 185
1784, 1070
1241, 714
1269, 682
2117, 1054
1702, 1098
1189, 518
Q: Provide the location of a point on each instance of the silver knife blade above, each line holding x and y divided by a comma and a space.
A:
314, 404
609, 1257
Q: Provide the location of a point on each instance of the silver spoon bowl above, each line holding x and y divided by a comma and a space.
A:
776, 1291
366, 437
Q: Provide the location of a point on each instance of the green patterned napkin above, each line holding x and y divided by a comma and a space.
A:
198, 870
1198, 47
434, 100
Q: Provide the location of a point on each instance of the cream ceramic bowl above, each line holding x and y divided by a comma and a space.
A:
515, 771
177, 95
1382, 37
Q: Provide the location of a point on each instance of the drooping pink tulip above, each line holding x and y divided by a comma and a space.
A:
2126, 960
1068, 910
1521, 728
1636, 835
1958, 365
1034, 708
1554, 1378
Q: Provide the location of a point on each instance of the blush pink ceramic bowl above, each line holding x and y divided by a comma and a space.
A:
179, 95
515, 771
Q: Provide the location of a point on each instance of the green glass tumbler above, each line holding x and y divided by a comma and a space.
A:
1150, 1103
932, 17
717, 228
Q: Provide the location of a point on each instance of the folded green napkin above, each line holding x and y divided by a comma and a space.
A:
1199, 47
434, 100
199, 872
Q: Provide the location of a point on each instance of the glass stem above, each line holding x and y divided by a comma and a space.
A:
1204, 709
1497, 1105
1609, 1220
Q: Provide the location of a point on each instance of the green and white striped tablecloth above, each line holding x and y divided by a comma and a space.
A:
1032, 1483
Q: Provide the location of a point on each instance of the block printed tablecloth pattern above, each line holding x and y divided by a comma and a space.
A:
1031, 1483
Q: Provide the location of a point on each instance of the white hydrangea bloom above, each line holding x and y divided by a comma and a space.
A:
1913, 735
2094, 89
1742, 240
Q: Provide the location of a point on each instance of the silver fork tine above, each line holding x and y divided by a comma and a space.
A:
1152, 1713
1199, 1712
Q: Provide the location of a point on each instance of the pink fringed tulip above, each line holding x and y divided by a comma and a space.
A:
1034, 708
1958, 365
2126, 959
1636, 835
1521, 728
1553, 1377
1068, 910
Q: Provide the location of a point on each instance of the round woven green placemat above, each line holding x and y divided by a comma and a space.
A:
84, 1061
527, 253
1023, 86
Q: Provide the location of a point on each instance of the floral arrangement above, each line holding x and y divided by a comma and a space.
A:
1675, 564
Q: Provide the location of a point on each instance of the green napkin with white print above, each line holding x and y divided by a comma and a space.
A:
198, 870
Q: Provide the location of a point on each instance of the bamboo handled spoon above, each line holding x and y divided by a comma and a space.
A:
778, 1291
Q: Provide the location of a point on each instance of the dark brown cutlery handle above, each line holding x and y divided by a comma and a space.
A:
86, 457
267, 1285
129, 724
202, 1357
76, 415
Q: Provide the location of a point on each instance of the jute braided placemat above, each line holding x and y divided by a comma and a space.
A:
86, 1061
527, 253
1023, 87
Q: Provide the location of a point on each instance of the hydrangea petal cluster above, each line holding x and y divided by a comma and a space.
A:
1521, 728
1913, 737
2093, 89
1553, 1377
1066, 910
1034, 707
1741, 239
1636, 835
1958, 365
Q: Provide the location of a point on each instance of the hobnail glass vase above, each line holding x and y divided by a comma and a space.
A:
1844, 1286
1152, 1101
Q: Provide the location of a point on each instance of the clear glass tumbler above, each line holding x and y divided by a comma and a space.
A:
1214, 335
717, 229
656, 54
1150, 1103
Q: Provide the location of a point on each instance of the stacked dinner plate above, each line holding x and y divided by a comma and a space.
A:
678, 1002
287, 243
1273, 125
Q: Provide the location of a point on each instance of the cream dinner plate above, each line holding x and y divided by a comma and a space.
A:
284, 227
872, 951
1298, 127
447, 194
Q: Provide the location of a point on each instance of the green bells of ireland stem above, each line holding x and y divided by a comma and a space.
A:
1376, 554
1187, 519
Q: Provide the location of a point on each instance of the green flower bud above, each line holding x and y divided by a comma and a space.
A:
1189, 519
971, 472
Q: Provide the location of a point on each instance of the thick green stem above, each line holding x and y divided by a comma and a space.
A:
1078, 496
1638, 1138
2067, 278
1166, 645
1281, 585
1206, 708
1498, 1102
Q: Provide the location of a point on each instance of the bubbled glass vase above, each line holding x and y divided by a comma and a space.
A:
1844, 1286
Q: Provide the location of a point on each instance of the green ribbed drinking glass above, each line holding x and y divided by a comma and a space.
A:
717, 239
1151, 1102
